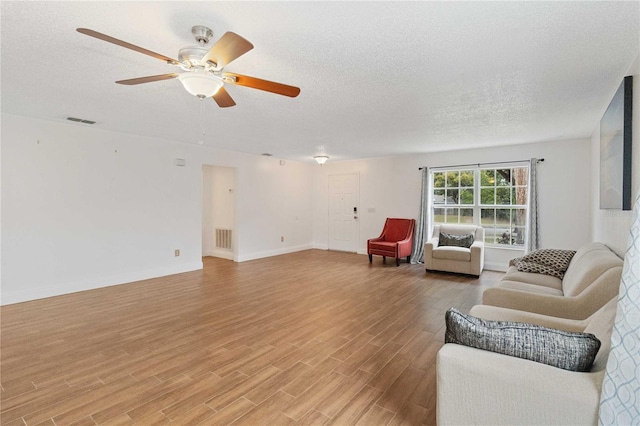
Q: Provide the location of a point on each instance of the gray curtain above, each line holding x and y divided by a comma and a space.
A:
620, 397
533, 242
422, 225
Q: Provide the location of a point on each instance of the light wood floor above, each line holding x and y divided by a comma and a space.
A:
313, 337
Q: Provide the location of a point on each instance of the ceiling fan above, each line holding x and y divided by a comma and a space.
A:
203, 67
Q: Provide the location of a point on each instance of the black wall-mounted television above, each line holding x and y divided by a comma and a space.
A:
615, 149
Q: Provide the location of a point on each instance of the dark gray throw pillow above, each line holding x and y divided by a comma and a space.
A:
562, 349
455, 240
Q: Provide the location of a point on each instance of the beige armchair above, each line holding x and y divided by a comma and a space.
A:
455, 259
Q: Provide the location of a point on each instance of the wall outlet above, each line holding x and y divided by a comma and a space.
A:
282, 239
176, 253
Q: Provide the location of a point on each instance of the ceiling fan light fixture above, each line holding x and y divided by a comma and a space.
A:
203, 65
200, 84
321, 159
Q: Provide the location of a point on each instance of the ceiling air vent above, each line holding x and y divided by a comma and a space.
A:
80, 120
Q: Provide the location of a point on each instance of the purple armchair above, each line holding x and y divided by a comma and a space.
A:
396, 240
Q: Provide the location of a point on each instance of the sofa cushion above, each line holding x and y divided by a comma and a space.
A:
530, 288
452, 253
397, 229
558, 348
464, 240
531, 278
388, 245
457, 229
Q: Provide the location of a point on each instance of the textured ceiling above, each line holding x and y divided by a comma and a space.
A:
376, 78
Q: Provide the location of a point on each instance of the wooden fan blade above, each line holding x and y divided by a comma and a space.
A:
223, 99
268, 86
229, 48
149, 79
139, 49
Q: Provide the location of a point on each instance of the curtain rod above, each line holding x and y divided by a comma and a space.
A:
479, 164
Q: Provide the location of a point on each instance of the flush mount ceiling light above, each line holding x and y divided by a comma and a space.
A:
321, 159
201, 83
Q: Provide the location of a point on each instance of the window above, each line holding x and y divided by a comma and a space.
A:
495, 198
503, 205
453, 198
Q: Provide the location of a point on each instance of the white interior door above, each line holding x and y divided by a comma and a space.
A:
344, 210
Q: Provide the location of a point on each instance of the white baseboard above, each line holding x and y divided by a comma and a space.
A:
224, 254
326, 247
498, 266
269, 253
8, 298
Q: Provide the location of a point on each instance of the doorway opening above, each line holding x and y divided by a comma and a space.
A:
218, 211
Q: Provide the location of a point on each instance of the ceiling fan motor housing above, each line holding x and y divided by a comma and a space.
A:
192, 54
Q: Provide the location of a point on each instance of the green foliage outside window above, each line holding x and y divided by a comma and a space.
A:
501, 207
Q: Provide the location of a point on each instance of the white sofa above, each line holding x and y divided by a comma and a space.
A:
592, 278
485, 388
455, 259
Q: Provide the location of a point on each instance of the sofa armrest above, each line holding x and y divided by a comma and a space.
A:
428, 252
477, 246
405, 241
481, 387
477, 257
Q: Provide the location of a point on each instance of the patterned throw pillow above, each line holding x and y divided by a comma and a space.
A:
455, 240
552, 262
558, 348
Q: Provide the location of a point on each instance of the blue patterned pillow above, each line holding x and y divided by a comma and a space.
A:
455, 240
558, 348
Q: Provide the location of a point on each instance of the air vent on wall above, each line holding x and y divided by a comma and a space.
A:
223, 238
80, 120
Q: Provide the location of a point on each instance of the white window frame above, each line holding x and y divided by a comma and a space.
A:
515, 243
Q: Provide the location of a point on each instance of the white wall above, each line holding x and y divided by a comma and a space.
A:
273, 202
392, 187
208, 233
85, 208
612, 226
